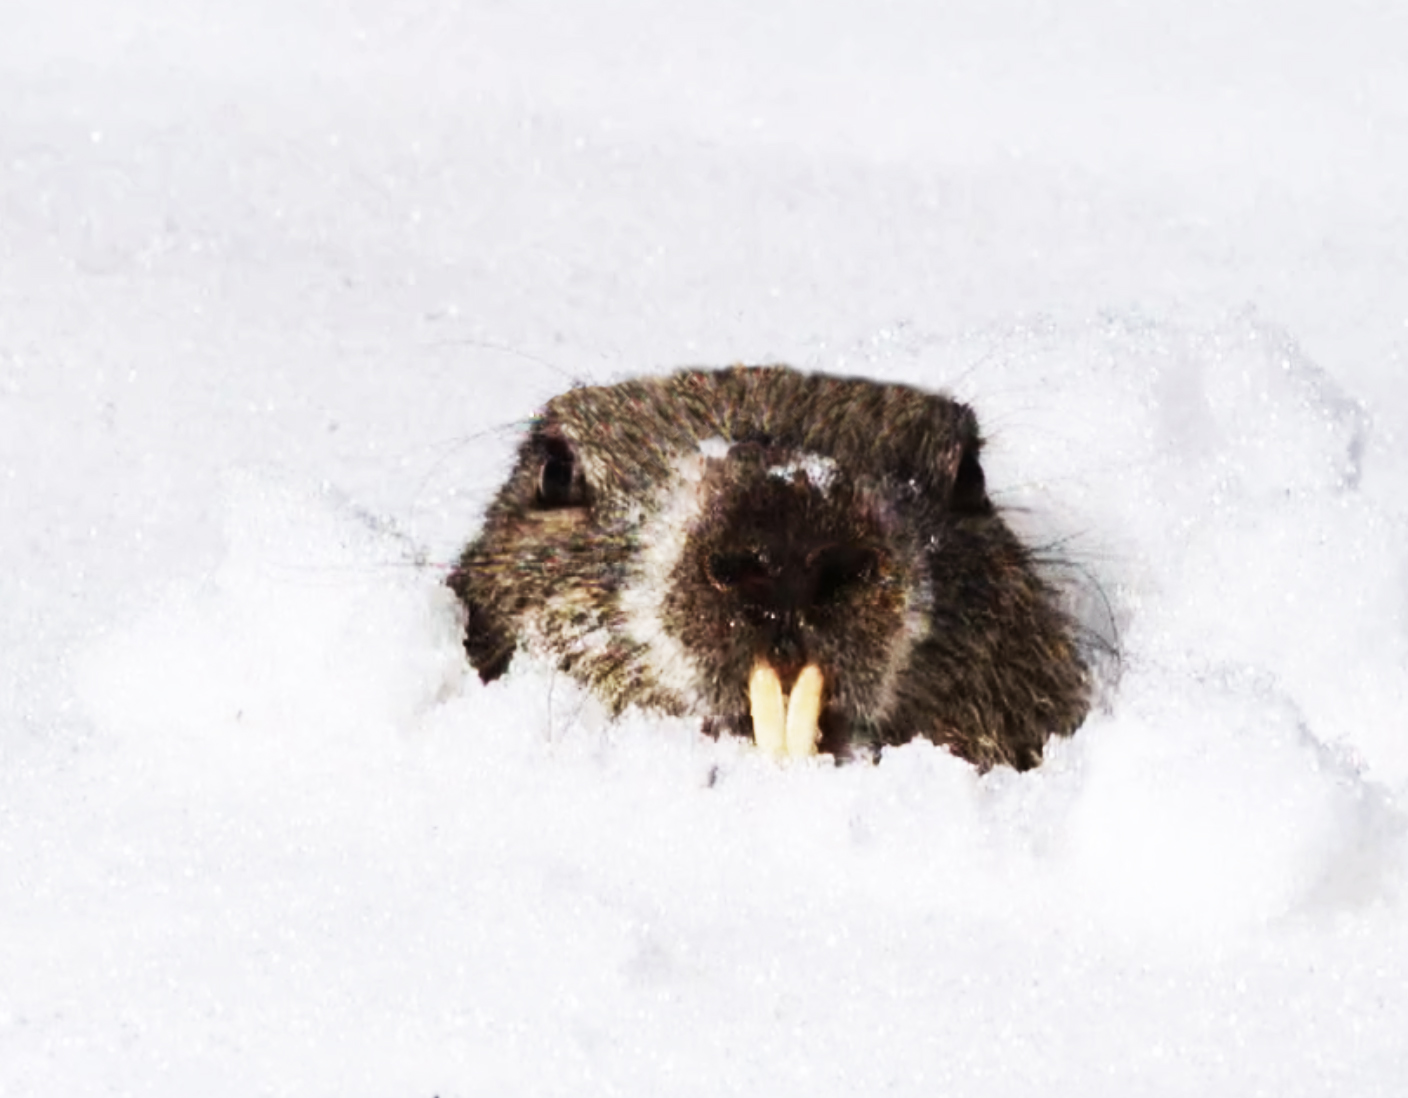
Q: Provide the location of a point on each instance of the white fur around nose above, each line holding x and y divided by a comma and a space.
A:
663, 533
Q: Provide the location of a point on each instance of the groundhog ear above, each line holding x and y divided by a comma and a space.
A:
963, 472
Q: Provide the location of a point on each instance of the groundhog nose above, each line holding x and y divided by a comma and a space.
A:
794, 579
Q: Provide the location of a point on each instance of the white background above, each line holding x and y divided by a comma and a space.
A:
279, 282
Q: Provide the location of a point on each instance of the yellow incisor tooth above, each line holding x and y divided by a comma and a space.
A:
786, 727
769, 711
804, 713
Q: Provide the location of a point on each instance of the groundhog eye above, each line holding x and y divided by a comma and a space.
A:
970, 494
560, 482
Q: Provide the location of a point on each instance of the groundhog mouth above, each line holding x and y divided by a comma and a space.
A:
786, 725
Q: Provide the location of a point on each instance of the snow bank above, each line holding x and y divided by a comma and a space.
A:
261, 831
322, 812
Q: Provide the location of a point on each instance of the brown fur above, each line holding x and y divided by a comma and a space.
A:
836, 521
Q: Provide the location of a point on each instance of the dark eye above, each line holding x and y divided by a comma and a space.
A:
560, 481
970, 494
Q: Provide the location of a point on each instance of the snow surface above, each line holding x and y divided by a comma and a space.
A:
280, 281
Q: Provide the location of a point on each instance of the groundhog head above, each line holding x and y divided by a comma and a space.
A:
810, 560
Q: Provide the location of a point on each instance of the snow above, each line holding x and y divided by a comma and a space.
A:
280, 282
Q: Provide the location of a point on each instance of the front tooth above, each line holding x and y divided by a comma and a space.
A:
769, 711
804, 712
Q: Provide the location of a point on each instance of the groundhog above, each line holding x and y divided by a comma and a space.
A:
809, 560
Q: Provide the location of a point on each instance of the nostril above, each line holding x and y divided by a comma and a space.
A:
747, 568
835, 569
820, 578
